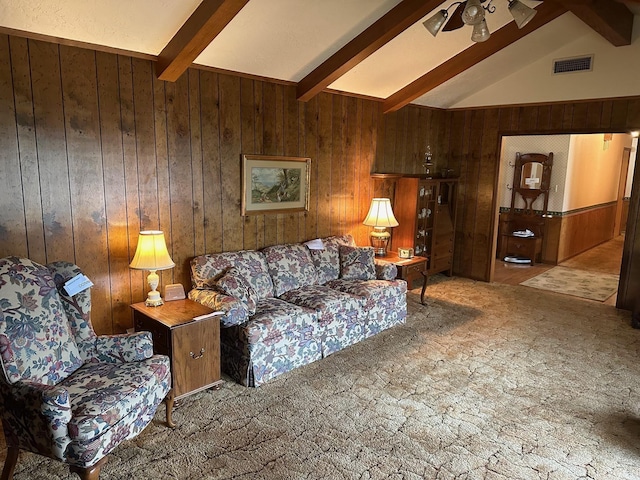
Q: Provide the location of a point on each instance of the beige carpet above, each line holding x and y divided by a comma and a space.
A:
484, 382
579, 283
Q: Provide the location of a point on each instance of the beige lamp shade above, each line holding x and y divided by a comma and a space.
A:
152, 255
380, 214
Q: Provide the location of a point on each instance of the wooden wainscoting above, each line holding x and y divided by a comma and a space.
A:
585, 229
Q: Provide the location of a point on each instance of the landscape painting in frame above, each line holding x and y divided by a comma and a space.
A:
274, 184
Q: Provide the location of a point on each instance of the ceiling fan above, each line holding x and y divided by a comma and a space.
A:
472, 12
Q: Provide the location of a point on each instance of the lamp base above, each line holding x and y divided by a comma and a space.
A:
380, 241
154, 300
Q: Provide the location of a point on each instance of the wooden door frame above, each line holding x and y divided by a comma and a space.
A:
630, 267
622, 186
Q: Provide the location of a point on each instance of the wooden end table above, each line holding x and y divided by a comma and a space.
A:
193, 346
409, 269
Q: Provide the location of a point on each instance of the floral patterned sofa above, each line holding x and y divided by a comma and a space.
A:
289, 305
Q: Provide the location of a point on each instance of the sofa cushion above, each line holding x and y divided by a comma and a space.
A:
290, 267
274, 318
250, 263
357, 263
330, 304
232, 283
327, 259
30, 309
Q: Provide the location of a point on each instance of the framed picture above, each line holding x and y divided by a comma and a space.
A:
274, 184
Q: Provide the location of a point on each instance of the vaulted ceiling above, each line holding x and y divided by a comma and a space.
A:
374, 48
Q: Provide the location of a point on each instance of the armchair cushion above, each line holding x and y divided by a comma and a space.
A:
357, 263
31, 311
102, 394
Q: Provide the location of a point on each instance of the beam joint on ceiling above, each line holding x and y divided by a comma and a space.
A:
206, 22
612, 20
382, 31
473, 55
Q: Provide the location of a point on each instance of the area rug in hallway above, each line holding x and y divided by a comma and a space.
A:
485, 381
579, 283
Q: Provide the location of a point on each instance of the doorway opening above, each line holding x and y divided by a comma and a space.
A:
588, 206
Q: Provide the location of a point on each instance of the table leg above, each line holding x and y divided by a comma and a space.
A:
424, 286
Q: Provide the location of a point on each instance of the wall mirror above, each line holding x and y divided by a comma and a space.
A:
532, 175
531, 179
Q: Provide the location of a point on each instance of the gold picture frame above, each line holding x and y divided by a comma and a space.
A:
275, 184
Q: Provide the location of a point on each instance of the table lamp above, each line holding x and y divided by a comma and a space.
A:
380, 217
152, 255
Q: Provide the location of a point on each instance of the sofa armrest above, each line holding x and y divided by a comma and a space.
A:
45, 410
385, 270
133, 347
235, 312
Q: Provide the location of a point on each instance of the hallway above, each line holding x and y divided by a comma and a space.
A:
605, 258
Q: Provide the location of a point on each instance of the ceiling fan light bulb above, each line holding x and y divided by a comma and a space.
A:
434, 23
473, 13
481, 32
521, 13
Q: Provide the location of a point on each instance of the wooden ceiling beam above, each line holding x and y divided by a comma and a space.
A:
206, 22
612, 20
473, 55
382, 31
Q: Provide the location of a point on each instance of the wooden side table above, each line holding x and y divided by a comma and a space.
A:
193, 345
409, 269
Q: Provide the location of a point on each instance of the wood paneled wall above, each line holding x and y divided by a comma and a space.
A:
474, 150
94, 149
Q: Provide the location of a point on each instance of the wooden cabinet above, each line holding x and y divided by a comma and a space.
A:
426, 212
192, 345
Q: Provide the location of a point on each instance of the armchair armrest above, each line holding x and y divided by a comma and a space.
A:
39, 415
130, 347
385, 270
235, 311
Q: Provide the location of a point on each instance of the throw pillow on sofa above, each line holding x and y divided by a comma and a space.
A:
234, 285
357, 263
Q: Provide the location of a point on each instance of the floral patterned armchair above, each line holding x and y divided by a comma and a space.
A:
65, 392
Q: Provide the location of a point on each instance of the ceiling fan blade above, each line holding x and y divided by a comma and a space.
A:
455, 20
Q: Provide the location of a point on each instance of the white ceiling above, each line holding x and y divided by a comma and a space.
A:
287, 39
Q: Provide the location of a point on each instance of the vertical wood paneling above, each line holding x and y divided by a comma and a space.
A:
195, 127
475, 207
12, 231
320, 174
232, 227
134, 220
269, 146
114, 188
326, 175
28, 153
211, 162
95, 146
248, 138
82, 129
294, 228
52, 150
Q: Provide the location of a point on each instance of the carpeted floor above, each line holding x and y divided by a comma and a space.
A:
485, 382
579, 283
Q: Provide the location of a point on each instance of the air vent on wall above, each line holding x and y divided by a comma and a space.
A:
575, 64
